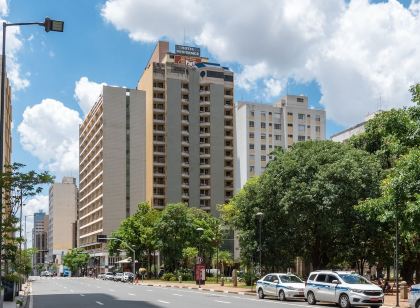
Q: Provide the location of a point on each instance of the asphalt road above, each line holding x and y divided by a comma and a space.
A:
88, 292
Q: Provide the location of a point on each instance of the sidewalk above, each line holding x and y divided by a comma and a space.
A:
23, 295
213, 287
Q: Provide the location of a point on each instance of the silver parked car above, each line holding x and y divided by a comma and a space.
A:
343, 288
283, 286
109, 276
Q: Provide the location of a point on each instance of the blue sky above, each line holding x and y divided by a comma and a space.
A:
345, 55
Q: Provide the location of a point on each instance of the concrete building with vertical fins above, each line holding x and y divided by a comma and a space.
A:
112, 166
62, 216
190, 129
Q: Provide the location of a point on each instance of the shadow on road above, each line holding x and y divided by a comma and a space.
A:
88, 300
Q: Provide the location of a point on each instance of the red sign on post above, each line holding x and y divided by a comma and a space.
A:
200, 274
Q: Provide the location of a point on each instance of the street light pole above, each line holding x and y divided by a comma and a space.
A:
260, 216
200, 231
396, 260
49, 25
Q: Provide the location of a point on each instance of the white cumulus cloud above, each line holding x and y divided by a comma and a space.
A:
50, 132
13, 46
87, 92
4, 8
358, 52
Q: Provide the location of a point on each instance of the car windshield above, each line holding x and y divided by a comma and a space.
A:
290, 279
353, 279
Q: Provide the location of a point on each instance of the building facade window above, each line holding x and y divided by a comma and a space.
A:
251, 146
251, 135
263, 147
262, 125
277, 126
251, 123
318, 129
263, 136
278, 137
263, 158
301, 138
318, 118
301, 116
301, 128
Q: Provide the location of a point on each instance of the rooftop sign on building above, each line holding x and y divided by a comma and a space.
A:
187, 51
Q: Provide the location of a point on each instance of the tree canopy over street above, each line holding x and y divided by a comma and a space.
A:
307, 196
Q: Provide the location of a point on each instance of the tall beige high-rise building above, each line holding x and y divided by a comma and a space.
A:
7, 125
263, 127
112, 164
189, 128
62, 216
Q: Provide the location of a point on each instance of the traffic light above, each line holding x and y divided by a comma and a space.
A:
53, 25
101, 238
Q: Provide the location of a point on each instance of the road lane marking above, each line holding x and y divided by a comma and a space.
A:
177, 294
112, 290
131, 294
98, 287
99, 303
163, 302
223, 302
82, 295
149, 290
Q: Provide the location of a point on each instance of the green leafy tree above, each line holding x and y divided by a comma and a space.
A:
189, 255
394, 137
225, 260
138, 231
400, 201
76, 259
308, 197
177, 229
18, 186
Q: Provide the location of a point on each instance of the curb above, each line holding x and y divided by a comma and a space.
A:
199, 289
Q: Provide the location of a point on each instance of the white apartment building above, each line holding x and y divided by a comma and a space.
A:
357, 129
261, 128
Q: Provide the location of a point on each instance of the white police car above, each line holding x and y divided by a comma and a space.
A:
283, 286
414, 296
343, 288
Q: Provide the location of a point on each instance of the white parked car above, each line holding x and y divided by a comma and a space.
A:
283, 286
118, 276
414, 296
127, 277
343, 288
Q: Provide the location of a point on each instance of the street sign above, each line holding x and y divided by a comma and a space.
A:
101, 238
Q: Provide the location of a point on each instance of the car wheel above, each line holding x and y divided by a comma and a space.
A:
417, 304
260, 293
311, 298
344, 301
282, 296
